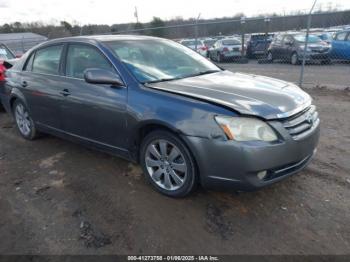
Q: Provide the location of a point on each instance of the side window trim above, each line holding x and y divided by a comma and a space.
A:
29, 60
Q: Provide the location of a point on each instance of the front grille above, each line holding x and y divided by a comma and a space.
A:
302, 123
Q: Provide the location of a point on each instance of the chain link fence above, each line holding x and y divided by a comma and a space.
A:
290, 47
309, 49
20, 45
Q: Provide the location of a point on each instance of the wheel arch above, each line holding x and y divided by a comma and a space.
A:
143, 129
17, 95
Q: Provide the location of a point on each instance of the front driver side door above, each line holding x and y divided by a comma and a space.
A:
94, 113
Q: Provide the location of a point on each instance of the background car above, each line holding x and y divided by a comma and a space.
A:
290, 48
341, 45
5, 54
325, 36
225, 49
191, 43
209, 43
258, 44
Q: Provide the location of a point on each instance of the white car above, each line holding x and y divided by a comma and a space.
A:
225, 49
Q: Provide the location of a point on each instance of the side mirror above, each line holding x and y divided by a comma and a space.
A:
290, 43
102, 76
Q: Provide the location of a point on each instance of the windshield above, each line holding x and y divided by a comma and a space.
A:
153, 60
231, 42
5, 53
312, 38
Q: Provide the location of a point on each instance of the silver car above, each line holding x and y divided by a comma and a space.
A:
225, 49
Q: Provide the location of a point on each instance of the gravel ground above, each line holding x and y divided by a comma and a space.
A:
61, 198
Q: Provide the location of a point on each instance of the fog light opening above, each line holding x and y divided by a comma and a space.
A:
262, 175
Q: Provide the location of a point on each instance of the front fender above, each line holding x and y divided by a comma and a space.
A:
180, 114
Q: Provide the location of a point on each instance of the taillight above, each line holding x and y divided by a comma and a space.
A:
225, 49
204, 48
2, 72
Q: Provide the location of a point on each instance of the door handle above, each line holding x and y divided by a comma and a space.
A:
65, 92
24, 84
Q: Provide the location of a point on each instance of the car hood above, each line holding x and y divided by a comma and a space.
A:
248, 94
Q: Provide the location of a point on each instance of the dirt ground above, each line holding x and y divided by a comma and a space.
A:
57, 197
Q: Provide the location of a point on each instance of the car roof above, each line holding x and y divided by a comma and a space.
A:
98, 38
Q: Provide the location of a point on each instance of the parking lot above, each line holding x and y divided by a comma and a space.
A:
57, 197
335, 76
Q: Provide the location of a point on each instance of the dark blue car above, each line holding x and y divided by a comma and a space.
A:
160, 104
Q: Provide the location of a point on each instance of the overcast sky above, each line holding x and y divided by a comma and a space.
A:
122, 11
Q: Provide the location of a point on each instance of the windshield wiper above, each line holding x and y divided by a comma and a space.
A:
159, 80
181, 77
202, 73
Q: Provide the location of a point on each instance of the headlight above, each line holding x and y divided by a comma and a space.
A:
246, 129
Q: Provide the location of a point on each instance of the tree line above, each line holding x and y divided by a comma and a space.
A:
185, 27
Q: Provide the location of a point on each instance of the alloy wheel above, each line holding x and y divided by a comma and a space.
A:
166, 165
23, 120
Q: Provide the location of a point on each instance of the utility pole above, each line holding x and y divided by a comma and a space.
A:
196, 32
136, 15
305, 45
267, 23
243, 32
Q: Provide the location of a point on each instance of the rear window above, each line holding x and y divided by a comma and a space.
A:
231, 42
5, 53
209, 42
260, 37
190, 43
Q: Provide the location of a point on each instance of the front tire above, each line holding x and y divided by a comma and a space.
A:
24, 122
168, 164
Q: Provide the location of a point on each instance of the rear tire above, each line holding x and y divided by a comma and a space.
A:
294, 59
24, 122
168, 164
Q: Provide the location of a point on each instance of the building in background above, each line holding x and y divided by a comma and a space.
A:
19, 43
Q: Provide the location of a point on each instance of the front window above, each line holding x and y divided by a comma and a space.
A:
5, 53
82, 57
154, 60
311, 39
